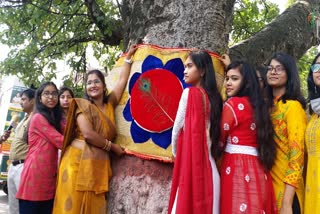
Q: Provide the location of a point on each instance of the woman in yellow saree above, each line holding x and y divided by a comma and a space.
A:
85, 170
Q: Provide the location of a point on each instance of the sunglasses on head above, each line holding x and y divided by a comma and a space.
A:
315, 67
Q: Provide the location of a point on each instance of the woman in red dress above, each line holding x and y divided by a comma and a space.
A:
247, 141
195, 183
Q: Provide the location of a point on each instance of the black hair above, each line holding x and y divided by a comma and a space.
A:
313, 89
293, 89
102, 79
54, 115
250, 88
30, 93
263, 74
65, 88
203, 62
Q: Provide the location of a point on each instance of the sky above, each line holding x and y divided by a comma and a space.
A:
280, 3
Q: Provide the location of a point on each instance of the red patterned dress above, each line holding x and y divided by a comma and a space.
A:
246, 187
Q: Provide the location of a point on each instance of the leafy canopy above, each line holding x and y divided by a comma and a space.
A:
250, 16
39, 33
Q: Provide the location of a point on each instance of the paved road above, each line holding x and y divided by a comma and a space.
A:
3, 203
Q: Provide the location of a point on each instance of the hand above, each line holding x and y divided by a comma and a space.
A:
118, 150
131, 51
5, 135
225, 59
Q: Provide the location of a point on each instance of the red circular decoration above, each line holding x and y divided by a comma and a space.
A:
155, 99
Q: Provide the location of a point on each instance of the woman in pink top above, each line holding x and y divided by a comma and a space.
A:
38, 178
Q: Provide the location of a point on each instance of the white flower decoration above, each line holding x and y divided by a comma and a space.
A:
247, 178
243, 207
228, 170
226, 126
235, 139
240, 106
253, 126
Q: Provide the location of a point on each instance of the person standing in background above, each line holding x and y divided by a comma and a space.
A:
312, 140
65, 96
19, 149
289, 122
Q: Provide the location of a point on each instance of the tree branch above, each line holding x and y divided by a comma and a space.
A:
55, 13
99, 18
279, 36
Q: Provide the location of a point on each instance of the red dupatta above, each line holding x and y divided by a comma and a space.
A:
192, 174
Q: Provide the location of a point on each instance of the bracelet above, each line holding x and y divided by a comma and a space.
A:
107, 145
129, 61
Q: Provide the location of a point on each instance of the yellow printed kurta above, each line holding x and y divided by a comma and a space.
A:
289, 121
312, 194
84, 174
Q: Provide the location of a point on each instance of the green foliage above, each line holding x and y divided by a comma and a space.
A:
290, 2
250, 16
39, 33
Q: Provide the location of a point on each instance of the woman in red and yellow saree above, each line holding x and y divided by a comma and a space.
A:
289, 122
85, 170
249, 148
196, 183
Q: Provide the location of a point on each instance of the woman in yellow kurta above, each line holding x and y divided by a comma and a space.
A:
289, 120
85, 169
312, 193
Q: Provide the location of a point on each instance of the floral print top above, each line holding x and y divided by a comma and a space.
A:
289, 121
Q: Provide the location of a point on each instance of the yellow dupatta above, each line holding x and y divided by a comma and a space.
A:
94, 170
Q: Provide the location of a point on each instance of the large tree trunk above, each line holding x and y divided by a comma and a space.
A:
179, 23
140, 186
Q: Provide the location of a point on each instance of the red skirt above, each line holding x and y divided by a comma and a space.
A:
246, 187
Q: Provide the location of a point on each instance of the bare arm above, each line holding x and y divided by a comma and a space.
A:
124, 76
93, 137
286, 207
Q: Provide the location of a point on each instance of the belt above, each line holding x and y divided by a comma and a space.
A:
241, 149
16, 162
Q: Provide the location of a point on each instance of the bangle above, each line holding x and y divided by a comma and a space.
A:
129, 61
107, 145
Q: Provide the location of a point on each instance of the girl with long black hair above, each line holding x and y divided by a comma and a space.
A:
38, 179
196, 181
289, 121
247, 141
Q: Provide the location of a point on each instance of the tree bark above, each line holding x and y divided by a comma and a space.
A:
181, 23
290, 32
